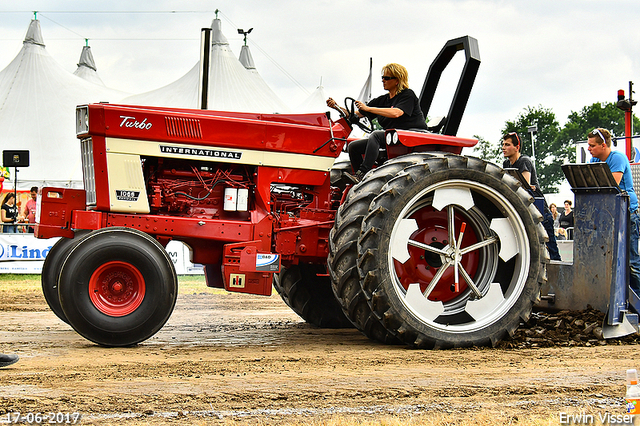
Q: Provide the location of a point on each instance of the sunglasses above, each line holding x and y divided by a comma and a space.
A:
387, 78
599, 134
513, 134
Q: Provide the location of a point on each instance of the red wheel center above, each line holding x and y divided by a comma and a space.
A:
117, 288
423, 265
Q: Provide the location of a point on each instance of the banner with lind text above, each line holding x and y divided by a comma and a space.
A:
24, 247
25, 254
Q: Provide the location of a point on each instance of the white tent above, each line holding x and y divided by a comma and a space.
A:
231, 86
246, 59
87, 67
316, 102
37, 113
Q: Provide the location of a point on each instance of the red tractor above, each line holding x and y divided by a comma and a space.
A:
431, 249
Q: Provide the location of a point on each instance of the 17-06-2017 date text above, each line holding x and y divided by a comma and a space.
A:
42, 418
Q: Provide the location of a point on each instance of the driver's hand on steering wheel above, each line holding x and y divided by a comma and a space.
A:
361, 107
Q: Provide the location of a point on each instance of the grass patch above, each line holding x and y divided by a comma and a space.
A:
196, 284
30, 283
19, 283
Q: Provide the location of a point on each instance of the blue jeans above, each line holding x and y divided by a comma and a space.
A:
552, 246
9, 229
634, 258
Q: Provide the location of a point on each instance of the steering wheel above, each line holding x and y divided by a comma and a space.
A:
362, 122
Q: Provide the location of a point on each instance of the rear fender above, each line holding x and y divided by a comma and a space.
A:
400, 142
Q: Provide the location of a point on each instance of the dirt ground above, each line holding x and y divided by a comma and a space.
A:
239, 359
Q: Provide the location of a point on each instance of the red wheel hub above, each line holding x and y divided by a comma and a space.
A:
116, 288
423, 265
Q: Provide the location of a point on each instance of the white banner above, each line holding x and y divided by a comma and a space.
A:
24, 254
24, 247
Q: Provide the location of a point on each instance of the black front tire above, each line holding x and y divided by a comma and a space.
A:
51, 272
306, 289
117, 287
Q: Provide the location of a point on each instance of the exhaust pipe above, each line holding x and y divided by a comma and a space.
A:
205, 59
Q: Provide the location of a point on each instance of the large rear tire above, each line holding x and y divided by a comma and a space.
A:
343, 252
306, 289
117, 287
451, 253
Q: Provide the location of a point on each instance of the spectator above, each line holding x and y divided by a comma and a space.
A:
29, 211
558, 232
514, 159
555, 215
9, 213
566, 217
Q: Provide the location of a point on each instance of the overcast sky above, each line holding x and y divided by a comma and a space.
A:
559, 54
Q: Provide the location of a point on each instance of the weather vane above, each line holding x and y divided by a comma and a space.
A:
244, 33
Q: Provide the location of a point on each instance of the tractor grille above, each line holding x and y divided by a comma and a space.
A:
183, 127
88, 171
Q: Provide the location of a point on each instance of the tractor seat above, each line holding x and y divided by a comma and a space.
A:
436, 124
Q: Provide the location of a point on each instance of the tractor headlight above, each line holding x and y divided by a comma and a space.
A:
391, 137
82, 120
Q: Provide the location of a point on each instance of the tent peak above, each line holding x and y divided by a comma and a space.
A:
34, 35
86, 59
246, 59
218, 37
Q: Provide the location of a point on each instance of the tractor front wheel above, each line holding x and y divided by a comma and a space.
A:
117, 287
51, 272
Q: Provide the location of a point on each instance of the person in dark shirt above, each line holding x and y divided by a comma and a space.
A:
515, 160
398, 109
566, 217
9, 213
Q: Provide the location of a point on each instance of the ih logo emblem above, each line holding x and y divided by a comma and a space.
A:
123, 195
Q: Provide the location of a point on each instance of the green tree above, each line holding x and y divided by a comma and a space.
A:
579, 124
488, 151
555, 146
549, 153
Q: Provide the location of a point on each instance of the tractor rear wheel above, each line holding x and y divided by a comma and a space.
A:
451, 253
343, 248
306, 289
117, 287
